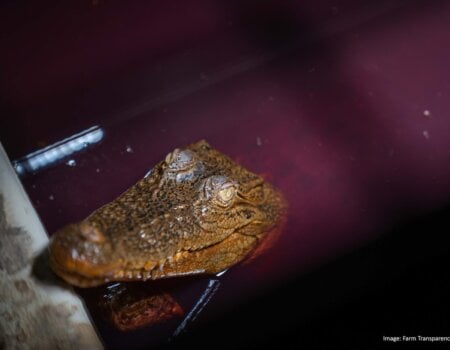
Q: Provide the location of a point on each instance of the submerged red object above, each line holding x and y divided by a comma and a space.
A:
129, 309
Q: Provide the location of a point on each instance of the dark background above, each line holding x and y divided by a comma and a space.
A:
396, 286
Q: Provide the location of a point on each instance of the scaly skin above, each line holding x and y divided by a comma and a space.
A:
196, 212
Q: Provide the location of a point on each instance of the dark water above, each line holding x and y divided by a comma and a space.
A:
344, 109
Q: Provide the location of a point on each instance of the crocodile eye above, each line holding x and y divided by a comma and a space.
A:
226, 194
220, 189
180, 159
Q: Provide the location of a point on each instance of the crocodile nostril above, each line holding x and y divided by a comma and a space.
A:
91, 233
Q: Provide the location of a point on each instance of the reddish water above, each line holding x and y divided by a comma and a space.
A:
345, 109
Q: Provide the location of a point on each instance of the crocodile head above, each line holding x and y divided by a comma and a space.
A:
197, 211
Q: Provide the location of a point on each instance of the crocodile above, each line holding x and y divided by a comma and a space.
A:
197, 211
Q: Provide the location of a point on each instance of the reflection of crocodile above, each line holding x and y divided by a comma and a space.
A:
129, 307
196, 212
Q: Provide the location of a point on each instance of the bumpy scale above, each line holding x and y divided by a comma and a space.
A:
196, 212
